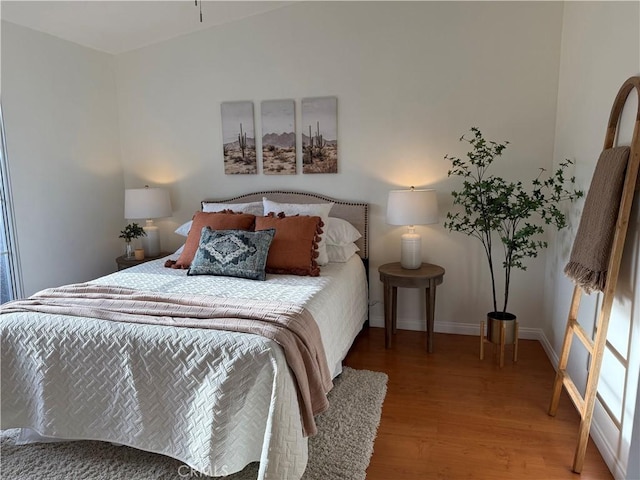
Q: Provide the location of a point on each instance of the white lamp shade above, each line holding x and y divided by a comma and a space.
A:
146, 203
412, 207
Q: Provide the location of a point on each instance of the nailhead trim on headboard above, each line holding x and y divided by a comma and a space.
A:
357, 213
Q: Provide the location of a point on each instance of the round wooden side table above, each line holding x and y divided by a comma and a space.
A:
123, 262
392, 275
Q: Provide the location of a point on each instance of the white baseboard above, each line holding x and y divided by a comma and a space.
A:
608, 451
548, 349
618, 470
453, 327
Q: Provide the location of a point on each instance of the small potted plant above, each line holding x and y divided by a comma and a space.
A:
131, 232
505, 214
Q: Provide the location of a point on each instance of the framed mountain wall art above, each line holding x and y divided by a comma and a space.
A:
278, 137
320, 135
238, 138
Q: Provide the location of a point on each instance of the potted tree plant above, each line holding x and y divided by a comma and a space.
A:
131, 232
505, 214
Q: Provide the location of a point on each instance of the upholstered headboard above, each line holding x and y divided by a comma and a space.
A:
356, 213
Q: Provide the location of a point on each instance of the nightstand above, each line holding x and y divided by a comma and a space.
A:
124, 263
392, 275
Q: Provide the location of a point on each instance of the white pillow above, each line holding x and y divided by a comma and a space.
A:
254, 208
313, 209
341, 253
184, 229
340, 232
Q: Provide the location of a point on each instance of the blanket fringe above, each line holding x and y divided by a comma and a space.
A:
588, 279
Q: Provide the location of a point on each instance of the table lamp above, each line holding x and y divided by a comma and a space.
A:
147, 203
412, 207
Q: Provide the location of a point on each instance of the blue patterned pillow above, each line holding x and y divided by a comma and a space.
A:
233, 253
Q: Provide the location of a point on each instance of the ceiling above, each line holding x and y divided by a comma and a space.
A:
119, 26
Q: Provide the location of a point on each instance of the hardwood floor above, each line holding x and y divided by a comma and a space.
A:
449, 415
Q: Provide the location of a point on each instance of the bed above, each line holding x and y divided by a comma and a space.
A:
214, 399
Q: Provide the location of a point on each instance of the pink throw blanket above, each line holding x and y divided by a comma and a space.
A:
291, 326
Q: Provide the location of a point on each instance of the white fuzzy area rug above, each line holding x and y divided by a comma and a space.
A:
340, 451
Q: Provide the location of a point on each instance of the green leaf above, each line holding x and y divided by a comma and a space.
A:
493, 207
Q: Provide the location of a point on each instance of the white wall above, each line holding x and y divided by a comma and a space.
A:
600, 50
410, 78
59, 103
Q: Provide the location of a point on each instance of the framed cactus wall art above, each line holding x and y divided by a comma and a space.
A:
278, 137
238, 138
320, 135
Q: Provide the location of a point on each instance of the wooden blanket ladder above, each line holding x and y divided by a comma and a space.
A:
596, 346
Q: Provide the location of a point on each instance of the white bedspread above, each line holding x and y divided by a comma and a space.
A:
214, 400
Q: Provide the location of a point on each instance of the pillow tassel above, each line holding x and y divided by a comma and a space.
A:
314, 248
294, 234
174, 264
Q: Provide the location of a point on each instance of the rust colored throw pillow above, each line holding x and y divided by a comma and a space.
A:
226, 220
294, 248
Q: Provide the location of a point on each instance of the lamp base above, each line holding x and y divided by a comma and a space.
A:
411, 254
151, 242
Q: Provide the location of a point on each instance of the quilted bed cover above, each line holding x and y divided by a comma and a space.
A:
215, 400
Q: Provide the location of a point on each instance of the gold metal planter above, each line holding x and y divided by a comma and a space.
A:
502, 329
